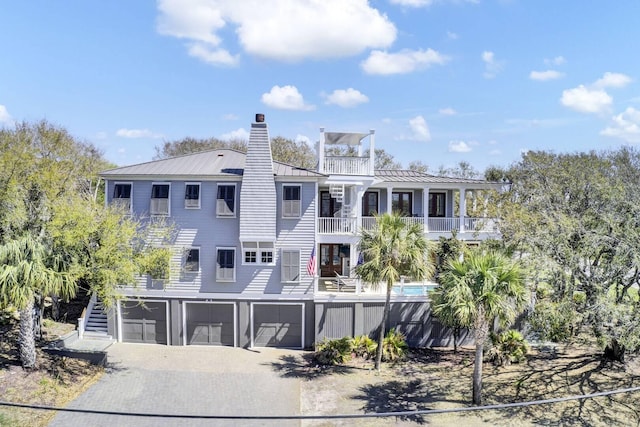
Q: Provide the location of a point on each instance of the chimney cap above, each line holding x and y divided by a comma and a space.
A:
259, 118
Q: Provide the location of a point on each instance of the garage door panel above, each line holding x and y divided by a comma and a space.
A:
277, 325
210, 324
144, 323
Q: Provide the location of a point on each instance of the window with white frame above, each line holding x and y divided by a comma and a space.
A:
191, 263
225, 265
291, 201
257, 252
226, 200
192, 195
290, 265
160, 198
122, 195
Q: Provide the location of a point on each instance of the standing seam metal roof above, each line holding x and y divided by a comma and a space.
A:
221, 162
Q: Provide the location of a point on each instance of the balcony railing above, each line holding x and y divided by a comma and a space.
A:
337, 225
347, 165
435, 225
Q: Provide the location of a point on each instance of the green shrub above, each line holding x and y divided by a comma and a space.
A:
333, 352
394, 346
507, 347
554, 321
363, 346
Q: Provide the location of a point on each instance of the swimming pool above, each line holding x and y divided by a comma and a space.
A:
412, 290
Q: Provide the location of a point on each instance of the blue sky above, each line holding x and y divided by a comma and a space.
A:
441, 81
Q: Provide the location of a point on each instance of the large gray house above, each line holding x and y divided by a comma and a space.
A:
263, 251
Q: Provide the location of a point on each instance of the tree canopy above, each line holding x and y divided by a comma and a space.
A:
575, 218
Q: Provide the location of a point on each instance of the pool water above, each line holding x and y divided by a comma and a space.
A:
412, 290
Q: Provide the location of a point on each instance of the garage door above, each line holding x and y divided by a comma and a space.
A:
277, 325
210, 324
144, 323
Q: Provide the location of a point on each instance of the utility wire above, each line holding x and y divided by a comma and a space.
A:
327, 417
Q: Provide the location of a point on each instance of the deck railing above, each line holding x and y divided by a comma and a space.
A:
435, 225
331, 225
347, 165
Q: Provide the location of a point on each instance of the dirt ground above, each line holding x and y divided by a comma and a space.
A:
441, 379
55, 380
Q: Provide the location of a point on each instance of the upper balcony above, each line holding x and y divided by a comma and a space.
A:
345, 154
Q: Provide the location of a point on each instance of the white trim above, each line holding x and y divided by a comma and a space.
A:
168, 214
251, 322
113, 199
235, 263
259, 250
184, 319
199, 199
282, 201
235, 200
282, 266
119, 308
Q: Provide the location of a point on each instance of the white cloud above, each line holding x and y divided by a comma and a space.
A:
491, 66
238, 134
5, 117
211, 55
426, 3
558, 60
285, 30
346, 98
447, 111
402, 62
230, 116
285, 98
138, 133
452, 36
625, 126
460, 146
586, 100
545, 75
615, 80
419, 129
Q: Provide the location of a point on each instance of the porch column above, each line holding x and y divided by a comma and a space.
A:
463, 208
372, 152
425, 208
389, 200
321, 151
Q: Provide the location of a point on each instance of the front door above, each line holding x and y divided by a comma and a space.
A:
331, 259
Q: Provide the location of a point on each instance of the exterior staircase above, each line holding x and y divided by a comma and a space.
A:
96, 323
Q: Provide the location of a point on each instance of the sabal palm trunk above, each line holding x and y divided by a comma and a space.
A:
27, 337
477, 375
385, 316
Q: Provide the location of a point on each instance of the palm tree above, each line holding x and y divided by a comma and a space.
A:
390, 249
27, 269
475, 291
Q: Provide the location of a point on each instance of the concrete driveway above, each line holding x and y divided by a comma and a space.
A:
187, 380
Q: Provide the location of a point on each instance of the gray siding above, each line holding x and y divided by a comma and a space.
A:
258, 196
414, 319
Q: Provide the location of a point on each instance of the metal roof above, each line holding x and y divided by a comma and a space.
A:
407, 175
221, 162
